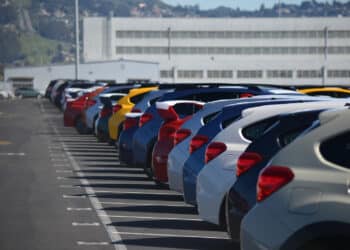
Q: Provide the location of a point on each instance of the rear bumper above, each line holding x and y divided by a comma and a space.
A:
70, 116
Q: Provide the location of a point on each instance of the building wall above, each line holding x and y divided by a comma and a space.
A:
121, 71
203, 49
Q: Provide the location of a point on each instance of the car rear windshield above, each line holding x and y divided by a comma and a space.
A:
137, 98
256, 130
337, 149
210, 117
290, 136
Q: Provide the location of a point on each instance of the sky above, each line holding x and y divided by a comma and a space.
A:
242, 4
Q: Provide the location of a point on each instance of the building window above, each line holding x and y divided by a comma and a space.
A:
338, 73
232, 50
220, 74
190, 74
249, 74
229, 34
309, 73
279, 73
166, 74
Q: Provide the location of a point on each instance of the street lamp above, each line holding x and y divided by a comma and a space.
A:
77, 50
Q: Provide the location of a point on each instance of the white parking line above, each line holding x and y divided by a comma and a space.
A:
85, 243
69, 186
12, 154
64, 171
62, 178
79, 209
74, 196
153, 218
143, 204
134, 192
85, 224
106, 221
174, 235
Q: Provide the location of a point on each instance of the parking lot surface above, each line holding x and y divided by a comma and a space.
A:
62, 190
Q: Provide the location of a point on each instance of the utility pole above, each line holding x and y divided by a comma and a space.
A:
77, 49
279, 8
325, 56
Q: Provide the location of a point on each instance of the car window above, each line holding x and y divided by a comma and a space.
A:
137, 98
153, 101
290, 136
229, 121
185, 109
256, 130
337, 149
210, 117
213, 96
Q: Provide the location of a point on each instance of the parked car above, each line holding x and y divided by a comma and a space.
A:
150, 122
242, 195
303, 193
174, 114
326, 91
90, 114
75, 107
183, 136
108, 101
196, 160
131, 122
26, 92
50, 87
222, 154
124, 106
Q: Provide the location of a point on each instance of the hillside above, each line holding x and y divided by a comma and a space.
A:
37, 32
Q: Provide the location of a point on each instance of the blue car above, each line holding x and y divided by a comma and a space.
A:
228, 115
91, 114
124, 144
150, 122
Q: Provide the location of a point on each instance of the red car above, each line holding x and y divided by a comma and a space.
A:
75, 107
174, 114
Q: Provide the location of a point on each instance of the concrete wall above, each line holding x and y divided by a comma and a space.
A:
120, 71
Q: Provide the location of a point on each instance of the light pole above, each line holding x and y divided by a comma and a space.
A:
325, 56
77, 49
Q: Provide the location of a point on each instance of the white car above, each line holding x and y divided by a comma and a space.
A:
179, 154
303, 193
218, 175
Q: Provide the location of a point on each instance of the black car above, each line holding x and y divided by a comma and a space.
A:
242, 195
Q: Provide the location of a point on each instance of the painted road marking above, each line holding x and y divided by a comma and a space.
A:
153, 218
85, 243
106, 221
69, 186
74, 196
12, 154
5, 142
174, 235
135, 192
143, 204
85, 224
64, 171
79, 209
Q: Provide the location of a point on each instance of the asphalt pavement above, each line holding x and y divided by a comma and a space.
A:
62, 190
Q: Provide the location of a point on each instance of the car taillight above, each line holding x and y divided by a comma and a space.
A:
271, 179
90, 102
129, 123
181, 135
213, 150
167, 132
144, 119
246, 161
197, 142
105, 112
116, 108
136, 110
245, 95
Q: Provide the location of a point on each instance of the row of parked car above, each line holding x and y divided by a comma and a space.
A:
269, 164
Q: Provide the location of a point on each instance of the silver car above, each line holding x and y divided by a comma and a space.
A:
303, 193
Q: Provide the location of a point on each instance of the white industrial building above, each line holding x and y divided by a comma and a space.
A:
270, 50
121, 71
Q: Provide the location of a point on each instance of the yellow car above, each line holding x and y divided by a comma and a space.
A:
124, 106
327, 91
